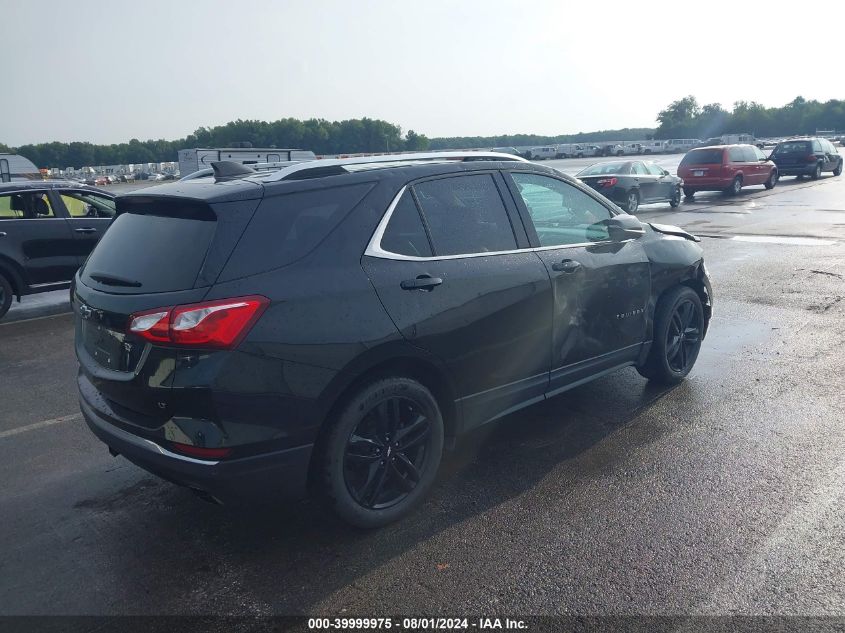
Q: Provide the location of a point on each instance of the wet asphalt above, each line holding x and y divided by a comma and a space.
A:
723, 495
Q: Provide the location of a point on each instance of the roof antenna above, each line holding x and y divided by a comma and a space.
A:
230, 170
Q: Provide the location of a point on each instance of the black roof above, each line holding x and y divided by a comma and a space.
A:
26, 185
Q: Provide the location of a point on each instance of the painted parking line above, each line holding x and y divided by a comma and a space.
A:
40, 425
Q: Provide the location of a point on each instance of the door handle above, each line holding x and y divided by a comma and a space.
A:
426, 283
87, 229
566, 266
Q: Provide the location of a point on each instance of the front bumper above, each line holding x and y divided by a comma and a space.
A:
279, 474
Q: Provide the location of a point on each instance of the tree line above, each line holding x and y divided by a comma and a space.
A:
319, 135
683, 118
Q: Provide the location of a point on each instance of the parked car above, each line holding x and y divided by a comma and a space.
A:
340, 345
612, 149
807, 157
542, 153
726, 168
47, 229
653, 147
631, 183
101, 181
675, 145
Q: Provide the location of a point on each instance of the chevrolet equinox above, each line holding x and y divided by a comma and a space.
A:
332, 325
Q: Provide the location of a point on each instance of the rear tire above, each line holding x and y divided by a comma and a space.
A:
5, 296
632, 202
817, 172
772, 181
736, 187
675, 200
689, 194
391, 464
678, 328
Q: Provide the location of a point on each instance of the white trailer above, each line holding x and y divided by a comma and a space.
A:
15, 167
191, 160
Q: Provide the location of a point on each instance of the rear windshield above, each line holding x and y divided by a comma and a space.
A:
143, 253
607, 168
703, 157
793, 146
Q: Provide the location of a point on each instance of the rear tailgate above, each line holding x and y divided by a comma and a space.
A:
159, 252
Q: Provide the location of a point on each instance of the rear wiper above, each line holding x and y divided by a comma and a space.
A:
113, 280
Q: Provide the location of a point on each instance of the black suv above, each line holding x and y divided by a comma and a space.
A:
334, 324
806, 157
47, 229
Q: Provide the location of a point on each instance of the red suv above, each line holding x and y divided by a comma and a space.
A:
726, 168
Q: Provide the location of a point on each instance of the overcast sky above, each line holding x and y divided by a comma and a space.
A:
110, 71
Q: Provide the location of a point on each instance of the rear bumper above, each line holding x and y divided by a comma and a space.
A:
706, 184
279, 474
797, 170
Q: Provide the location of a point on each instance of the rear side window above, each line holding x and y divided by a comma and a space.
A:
285, 228
703, 157
749, 155
465, 214
405, 233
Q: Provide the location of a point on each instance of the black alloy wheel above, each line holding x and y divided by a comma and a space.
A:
684, 336
386, 453
382, 453
678, 332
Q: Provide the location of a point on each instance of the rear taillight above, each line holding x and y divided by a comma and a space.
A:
810, 158
219, 324
606, 182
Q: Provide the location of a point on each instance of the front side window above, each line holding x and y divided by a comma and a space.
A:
561, 213
465, 215
25, 206
405, 233
639, 169
759, 153
81, 204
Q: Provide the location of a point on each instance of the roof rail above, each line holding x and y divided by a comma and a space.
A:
335, 165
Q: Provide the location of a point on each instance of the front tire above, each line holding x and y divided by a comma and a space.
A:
838, 170
632, 202
678, 330
382, 454
5, 296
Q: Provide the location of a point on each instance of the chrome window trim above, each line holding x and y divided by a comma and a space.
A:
374, 248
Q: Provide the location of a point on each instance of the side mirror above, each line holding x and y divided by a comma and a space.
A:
624, 227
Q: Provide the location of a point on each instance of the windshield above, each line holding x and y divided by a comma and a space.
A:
601, 169
703, 157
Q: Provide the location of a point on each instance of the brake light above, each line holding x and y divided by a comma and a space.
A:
201, 451
606, 182
811, 158
219, 324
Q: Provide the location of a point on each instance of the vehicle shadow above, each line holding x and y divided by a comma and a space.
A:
290, 557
